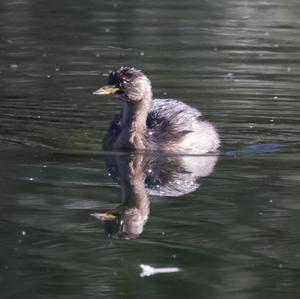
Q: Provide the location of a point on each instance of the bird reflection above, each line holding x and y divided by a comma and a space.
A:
140, 175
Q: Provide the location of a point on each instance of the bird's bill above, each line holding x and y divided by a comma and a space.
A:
106, 90
105, 216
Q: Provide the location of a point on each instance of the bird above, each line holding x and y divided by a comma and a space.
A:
147, 124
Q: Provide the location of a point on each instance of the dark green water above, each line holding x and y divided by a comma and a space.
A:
236, 235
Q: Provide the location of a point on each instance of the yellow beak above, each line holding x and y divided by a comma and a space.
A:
106, 216
106, 90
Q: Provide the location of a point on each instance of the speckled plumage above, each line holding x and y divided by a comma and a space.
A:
158, 124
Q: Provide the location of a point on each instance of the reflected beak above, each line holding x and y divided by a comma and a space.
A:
106, 216
106, 90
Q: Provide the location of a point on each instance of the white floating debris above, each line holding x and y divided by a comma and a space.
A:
275, 97
31, 179
48, 76
142, 53
107, 30
23, 233
148, 270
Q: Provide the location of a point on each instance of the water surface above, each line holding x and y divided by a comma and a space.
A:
235, 234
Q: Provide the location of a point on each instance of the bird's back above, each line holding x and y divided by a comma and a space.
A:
172, 126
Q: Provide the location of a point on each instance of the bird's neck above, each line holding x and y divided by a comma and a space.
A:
134, 117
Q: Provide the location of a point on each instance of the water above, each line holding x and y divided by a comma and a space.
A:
232, 229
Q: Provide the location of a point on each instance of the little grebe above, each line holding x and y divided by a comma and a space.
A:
154, 124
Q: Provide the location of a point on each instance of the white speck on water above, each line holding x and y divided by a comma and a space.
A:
142, 54
289, 69
149, 170
271, 120
275, 97
31, 179
48, 76
149, 270
45, 166
267, 33
280, 266
165, 94
57, 69
13, 66
107, 30
9, 41
271, 200
24, 233
109, 174
261, 213
157, 186
276, 46
229, 76
163, 233
174, 256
